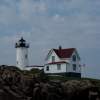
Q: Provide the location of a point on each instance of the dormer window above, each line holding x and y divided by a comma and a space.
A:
74, 57
53, 58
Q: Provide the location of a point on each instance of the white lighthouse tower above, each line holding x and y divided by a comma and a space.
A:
22, 53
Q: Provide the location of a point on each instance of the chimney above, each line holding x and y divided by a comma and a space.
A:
60, 47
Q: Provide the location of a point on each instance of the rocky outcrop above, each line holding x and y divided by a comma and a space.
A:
23, 85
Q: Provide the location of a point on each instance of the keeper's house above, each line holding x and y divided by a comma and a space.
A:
63, 62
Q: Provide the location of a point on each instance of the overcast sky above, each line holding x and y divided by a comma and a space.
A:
46, 24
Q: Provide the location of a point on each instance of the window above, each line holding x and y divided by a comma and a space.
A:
74, 58
74, 67
47, 68
58, 66
53, 58
26, 56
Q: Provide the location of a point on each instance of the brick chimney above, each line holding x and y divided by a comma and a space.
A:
60, 47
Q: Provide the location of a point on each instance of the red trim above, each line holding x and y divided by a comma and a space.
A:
56, 62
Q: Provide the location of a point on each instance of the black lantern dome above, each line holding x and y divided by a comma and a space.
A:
22, 40
21, 43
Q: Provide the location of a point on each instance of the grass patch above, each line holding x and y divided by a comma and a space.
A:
65, 78
62, 78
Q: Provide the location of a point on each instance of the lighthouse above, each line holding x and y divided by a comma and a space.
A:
22, 54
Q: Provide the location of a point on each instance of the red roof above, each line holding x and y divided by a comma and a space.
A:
60, 62
64, 53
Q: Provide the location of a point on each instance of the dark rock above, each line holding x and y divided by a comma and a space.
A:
19, 85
